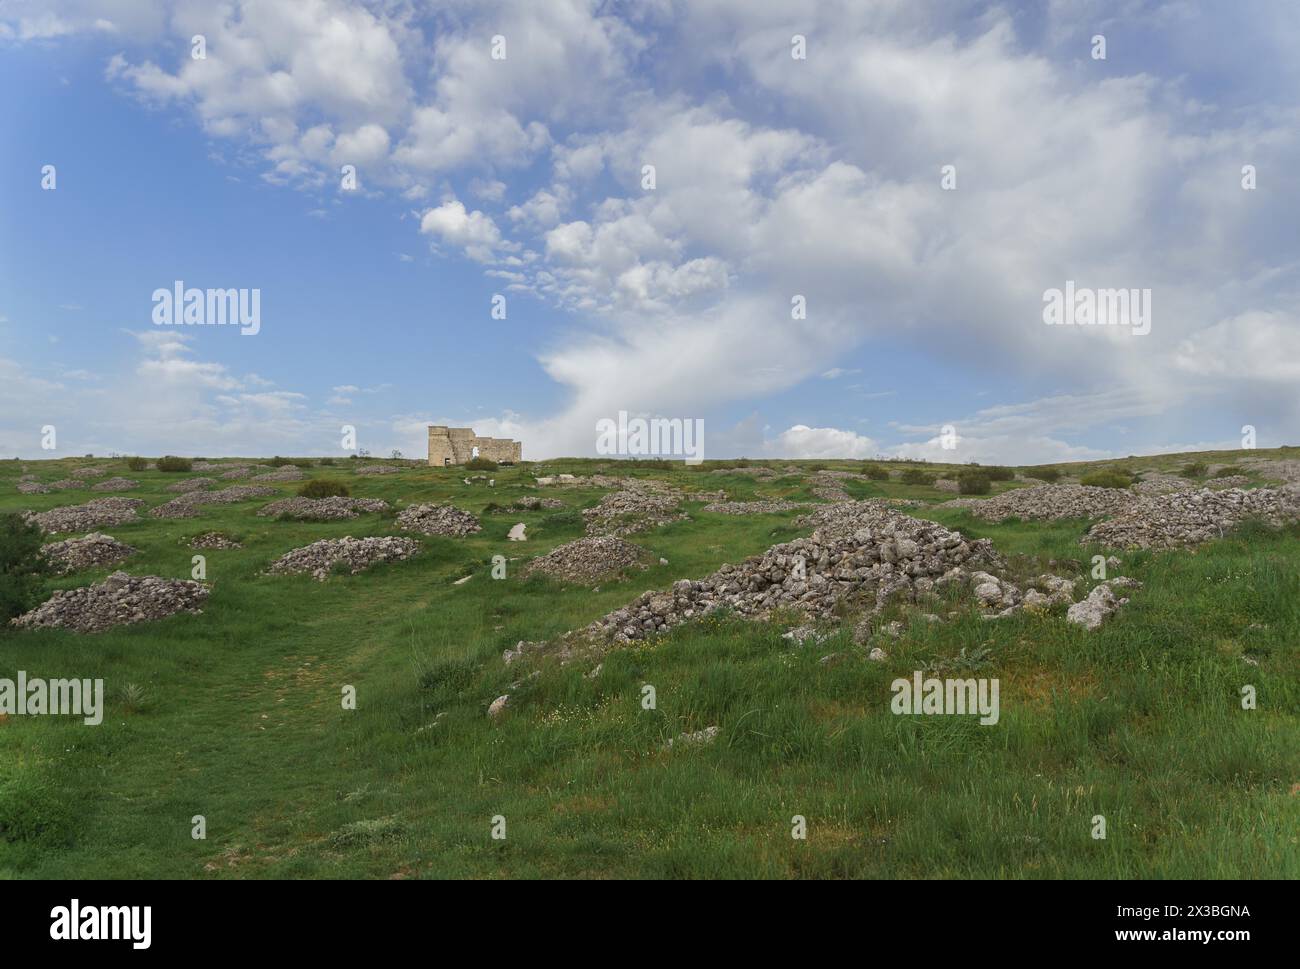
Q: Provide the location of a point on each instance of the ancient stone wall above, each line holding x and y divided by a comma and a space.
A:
455, 445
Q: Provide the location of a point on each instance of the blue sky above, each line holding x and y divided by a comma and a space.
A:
775, 177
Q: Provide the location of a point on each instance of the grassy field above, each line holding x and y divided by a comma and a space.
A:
236, 714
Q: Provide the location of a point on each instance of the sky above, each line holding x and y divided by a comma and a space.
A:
917, 182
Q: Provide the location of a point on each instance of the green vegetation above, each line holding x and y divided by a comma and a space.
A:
323, 488
480, 464
22, 568
974, 483
875, 472
1050, 475
915, 476
236, 713
1196, 469
1107, 479
137, 464
172, 463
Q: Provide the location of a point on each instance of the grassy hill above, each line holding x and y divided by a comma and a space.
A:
236, 714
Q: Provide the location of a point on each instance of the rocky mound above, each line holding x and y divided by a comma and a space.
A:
438, 520
633, 510
1228, 481
239, 471
33, 488
187, 505
1048, 502
321, 509
119, 600
115, 484
93, 514
586, 559
191, 484
87, 473
213, 540
1191, 517
67, 483
862, 554
288, 473
765, 507
377, 469
320, 558
92, 552
1159, 483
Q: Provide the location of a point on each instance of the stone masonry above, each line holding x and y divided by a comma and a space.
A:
457, 445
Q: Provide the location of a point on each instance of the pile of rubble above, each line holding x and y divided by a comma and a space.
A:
1228, 481
33, 488
1048, 502
587, 559
67, 483
119, 600
288, 473
191, 484
529, 503
1101, 603
1191, 517
641, 506
377, 469
573, 481
438, 520
334, 508
213, 540
93, 514
94, 551
356, 554
87, 473
1283, 469
860, 553
1159, 483
187, 505
764, 507
115, 484
238, 471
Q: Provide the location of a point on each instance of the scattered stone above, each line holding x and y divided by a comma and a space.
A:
91, 552
119, 600
1100, 604
877, 655
498, 705
530, 503
517, 533
1191, 517
95, 513
697, 739
115, 484
288, 473
213, 540
334, 508
67, 483
586, 560
88, 473
358, 554
33, 488
368, 469
1229, 481
438, 520
188, 505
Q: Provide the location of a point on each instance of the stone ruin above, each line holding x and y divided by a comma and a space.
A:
460, 445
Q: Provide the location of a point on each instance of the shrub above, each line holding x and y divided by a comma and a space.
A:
279, 462
915, 476
323, 488
326, 462
974, 483
1049, 475
1106, 479
997, 473
875, 472
22, 567
481, 464
172, 463
1194, 470
137, 464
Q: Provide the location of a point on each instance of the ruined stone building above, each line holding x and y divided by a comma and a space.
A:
456, 445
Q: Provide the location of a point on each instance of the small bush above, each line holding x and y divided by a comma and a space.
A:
1050, 475
137, 464
22, 567
997, 473
326, 462
974, 483
1194, 470
1106, 479
875, 472
172, 463
481, 464
915, 476
323, 488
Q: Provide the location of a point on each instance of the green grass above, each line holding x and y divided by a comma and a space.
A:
236, 714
